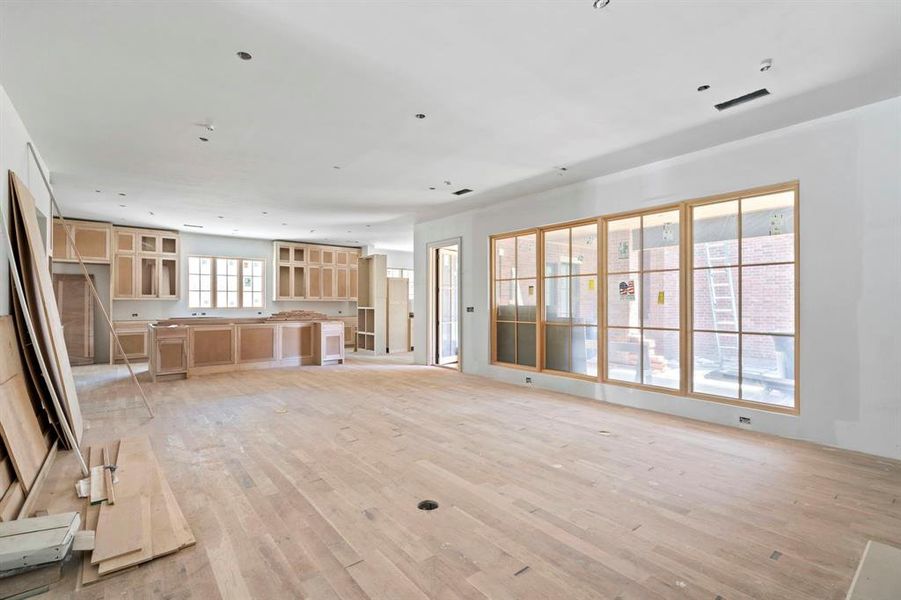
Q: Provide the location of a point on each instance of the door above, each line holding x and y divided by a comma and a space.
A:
76, 311
447, 308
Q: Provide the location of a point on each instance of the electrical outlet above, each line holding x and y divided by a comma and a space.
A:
744, 420
528, 380
134, 314
471, 309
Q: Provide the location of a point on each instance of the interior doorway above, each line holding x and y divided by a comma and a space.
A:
444, 319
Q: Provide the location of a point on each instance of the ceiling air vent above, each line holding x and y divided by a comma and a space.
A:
461, 192
742, 99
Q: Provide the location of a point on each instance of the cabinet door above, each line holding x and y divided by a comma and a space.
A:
285, 282
314, 282
168, 244
328, 282
92, 243
282, 253
341, 257
148, 276
299, 254
341, 276
168, 284
299, 285
133, 342
352, 284
125, 241
328, 256
171, 356
150, 242
353, 258
61, 249
314, 255
124, 276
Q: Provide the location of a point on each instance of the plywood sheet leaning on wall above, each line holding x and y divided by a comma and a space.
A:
36, 279
19, 426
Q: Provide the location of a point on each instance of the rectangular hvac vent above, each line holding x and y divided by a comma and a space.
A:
461, 192
742, 99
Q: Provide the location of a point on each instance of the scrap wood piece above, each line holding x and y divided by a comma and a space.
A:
90, 515
108, 477
135, 557
118, 529
84, 541
98, 485
31, 499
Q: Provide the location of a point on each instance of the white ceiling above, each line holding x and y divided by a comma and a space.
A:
112, 93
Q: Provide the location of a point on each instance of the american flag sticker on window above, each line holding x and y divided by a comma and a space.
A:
627, 290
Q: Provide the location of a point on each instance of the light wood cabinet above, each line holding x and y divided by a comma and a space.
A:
92, 240
330, 348
145, 264
212, 345
310, 272
169, 350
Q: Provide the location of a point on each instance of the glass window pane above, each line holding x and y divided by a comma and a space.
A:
505, 300
526, 298
525, 344
585, 300
622, 300
556, 347
585, 249
768, 299
715, 299
504, 258
193, 282
767, 228
660, 236
506, 342
556, 252
526, 256
556, 299
247, 299
623, 241
661, 299
193, 299
257, 268
257, 299
661, 358
715, 364
206, 299
768, 369
585, 350
715, 234
623, 352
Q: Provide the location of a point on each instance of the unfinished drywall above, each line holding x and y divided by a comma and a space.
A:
849, 168
14, 155
194, 244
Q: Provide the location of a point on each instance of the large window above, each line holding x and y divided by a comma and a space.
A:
743, 298
571, 299
698, 298
643, 299
515, 298
220, 282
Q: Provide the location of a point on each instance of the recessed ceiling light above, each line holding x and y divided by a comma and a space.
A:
284, 224
431, 187
123, 206
600, 3
312, 231
265, 213
203, 139
766, 64
337, 168
151, 213
420, 115
244, 55
220, 217
122, 193
703, 88
369, 226
98, 191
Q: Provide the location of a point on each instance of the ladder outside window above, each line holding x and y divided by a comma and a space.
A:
723, 303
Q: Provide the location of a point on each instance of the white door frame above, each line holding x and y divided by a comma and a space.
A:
432, 286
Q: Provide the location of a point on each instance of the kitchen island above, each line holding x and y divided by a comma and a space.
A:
198, 345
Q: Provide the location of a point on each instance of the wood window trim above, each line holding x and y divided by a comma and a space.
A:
685, 297
492, 243
240, 290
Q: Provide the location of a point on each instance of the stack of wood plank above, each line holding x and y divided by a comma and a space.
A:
143, 521
27, 452
32, 551
298, 315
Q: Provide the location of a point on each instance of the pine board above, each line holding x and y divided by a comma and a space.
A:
21, 431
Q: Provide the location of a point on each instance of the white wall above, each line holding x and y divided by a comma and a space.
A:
849, 168
193, 244
14, 156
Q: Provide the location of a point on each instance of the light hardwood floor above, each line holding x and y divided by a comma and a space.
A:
303, 483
